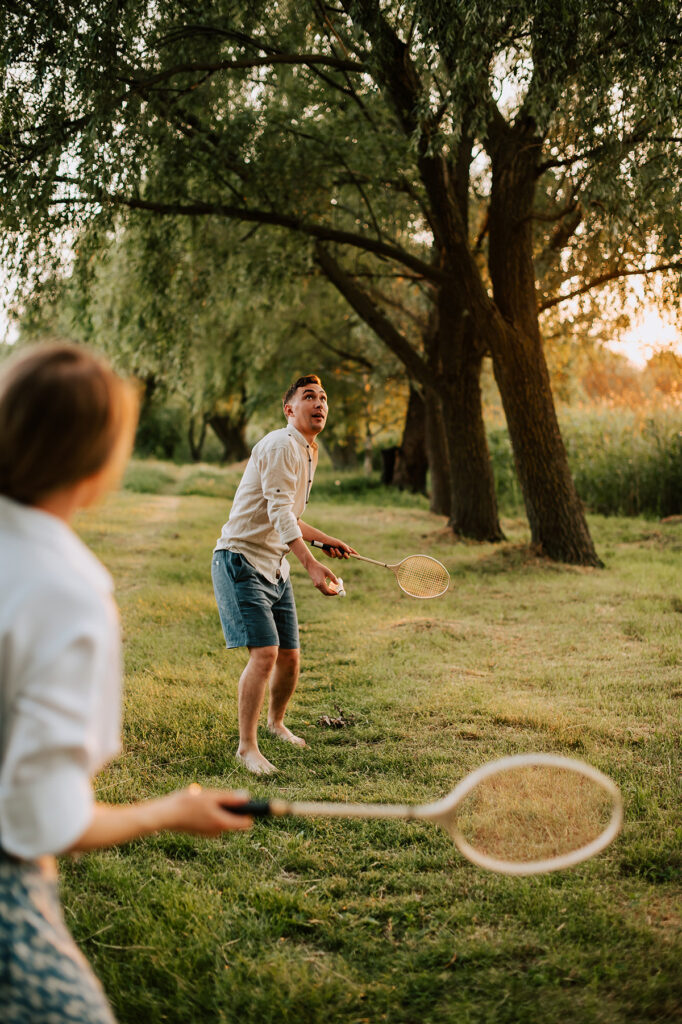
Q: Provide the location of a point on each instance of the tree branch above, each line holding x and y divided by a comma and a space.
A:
372, 316
318, 231
138, 81
612, 275
352, 357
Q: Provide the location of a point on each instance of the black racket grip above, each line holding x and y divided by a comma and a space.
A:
255, 808
325, 547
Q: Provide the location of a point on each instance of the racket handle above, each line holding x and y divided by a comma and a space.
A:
327, 547
255, 808
363, 558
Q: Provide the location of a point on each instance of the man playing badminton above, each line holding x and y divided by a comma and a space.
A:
251, 574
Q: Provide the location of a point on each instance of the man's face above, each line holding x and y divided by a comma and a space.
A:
307, 410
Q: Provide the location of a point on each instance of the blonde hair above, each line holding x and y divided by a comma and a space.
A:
64, 414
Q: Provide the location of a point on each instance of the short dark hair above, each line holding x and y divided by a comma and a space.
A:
300, 382
62, 411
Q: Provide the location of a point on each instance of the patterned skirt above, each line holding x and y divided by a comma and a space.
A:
44, 978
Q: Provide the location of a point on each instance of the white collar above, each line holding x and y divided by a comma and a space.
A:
298, 436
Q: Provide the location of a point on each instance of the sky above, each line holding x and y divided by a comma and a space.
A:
649, 333
650, 330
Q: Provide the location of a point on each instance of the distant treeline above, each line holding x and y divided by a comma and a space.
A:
624, 463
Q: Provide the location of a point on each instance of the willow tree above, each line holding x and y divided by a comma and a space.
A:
366, 130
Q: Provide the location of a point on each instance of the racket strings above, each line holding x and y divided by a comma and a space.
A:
532, 814
422, 576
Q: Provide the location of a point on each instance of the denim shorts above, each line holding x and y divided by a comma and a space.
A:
253, 611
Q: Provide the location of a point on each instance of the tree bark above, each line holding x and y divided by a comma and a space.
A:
454, 347
555, 513
196, 444
439, 473
230, 433
411, 463
473, 505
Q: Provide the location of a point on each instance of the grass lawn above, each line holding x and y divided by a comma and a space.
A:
349, 921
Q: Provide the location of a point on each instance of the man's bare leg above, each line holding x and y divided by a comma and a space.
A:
282, 685
252, 685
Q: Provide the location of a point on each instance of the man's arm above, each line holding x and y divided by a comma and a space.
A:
339, 548
318, 573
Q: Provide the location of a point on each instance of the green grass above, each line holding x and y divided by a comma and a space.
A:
343, 921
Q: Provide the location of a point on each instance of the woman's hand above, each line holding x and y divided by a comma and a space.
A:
203, 812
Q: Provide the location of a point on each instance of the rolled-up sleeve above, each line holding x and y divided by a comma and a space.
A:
279, 469
46, 798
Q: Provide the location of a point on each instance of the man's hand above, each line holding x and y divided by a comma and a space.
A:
338, 548
320, 574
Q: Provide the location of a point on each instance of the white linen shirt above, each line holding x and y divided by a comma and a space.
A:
270, 499
60, 680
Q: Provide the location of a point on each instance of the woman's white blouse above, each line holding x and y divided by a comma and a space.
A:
60, 680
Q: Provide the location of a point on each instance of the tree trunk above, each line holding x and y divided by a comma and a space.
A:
230, 433
455, 347
342, 456
388, 456
439, 473
196, 444
555, 513
473, 505
411, 464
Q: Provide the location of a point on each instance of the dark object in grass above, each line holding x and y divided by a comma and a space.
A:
340, 722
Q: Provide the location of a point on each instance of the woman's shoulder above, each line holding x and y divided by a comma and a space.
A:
48, 591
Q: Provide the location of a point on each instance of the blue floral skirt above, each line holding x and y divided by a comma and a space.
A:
44, 978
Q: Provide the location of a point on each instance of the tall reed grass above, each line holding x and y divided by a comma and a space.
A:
624, 461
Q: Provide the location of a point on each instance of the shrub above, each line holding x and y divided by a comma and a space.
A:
148, 478
624, 463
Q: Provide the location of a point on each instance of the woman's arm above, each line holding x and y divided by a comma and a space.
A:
199, 811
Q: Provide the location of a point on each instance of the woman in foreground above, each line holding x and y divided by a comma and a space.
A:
66, 429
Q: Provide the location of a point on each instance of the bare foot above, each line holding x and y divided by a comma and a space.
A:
282, 733
254, 762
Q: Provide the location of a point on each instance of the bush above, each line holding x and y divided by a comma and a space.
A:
148, 478
624, 463
160, 432
507, 486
